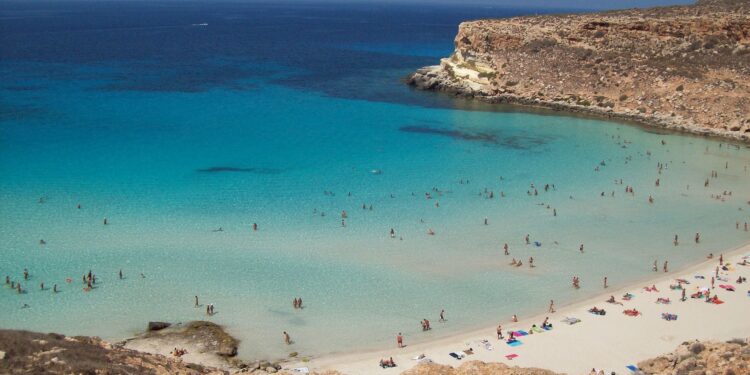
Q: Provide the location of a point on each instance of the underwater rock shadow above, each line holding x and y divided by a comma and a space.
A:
221, 169
518, 142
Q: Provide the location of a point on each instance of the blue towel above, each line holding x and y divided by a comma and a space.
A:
522, 333
632, 368
547, 328
515, 343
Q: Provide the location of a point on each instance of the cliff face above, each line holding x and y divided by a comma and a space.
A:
685, 67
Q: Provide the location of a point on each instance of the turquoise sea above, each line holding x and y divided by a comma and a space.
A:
276, 114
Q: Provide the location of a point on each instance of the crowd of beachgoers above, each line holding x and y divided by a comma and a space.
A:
721, 280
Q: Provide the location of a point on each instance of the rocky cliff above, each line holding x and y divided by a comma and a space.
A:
681, 67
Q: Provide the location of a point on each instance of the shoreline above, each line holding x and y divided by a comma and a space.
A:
366, 361
429, 79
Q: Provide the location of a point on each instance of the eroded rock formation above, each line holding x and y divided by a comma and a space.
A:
680, 67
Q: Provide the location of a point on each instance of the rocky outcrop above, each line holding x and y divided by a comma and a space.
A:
695, 358
681, 67
38, 353
205, 343
474, 368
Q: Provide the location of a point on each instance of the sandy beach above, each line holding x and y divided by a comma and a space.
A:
609, 342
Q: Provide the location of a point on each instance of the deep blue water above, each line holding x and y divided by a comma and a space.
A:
171, 130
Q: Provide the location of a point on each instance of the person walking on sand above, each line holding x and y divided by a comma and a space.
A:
551, 306
499, 332
400, 340
287, 339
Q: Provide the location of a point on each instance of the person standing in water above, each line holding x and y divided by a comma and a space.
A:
505, 247
665, 266
196, 301
605, 282
442, 316
287, 339
551, 306
400, 340
120, 273
697, 238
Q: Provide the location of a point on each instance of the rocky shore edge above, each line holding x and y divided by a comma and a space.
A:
24, 352
435, 78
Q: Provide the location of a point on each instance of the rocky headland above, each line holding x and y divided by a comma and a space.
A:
682, 67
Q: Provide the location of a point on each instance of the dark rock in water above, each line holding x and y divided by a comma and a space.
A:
221, 169
156, 326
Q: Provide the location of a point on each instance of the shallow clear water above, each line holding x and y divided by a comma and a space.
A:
172, 131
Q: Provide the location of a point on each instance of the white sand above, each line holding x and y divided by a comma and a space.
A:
608, 342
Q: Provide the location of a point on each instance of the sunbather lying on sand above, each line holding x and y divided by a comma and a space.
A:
597, 311
632, 312
612, 300
387, 363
